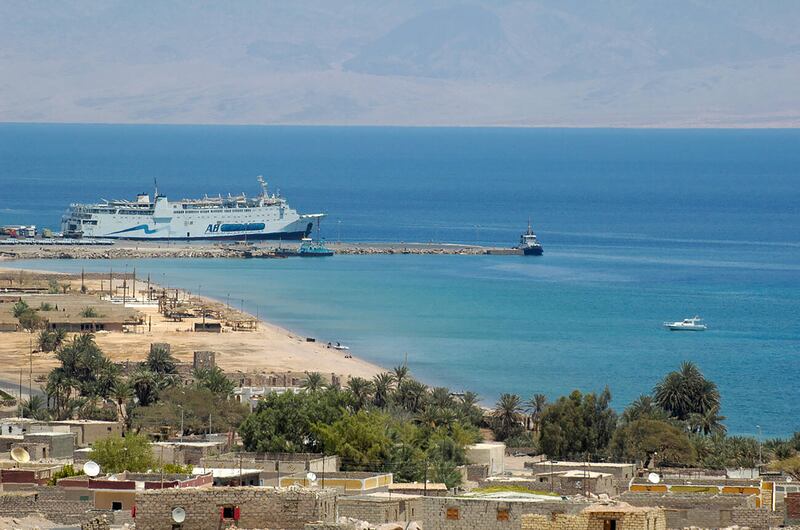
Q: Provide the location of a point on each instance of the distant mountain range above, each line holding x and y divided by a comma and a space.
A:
727, 63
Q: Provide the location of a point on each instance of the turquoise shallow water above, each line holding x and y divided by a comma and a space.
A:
639, 226
510, 324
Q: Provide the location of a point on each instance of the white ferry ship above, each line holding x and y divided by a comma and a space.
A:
233, 217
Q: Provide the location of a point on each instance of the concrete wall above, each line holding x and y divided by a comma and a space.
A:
50, 502
373, 510
701, 510
625, 520
284, 463
61, 445
450, 513
259, 507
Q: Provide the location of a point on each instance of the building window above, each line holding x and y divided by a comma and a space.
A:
452, 514
116, 506
610, 524
502, 514
230, 512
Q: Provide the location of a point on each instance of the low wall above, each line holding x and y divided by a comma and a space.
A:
700, 510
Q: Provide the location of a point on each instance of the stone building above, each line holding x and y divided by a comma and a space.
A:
622, 473
379, 508
600, 517
119, 491
503, 511
186, 452
346, 482
702, 510
281, 463
491, 454
247, 507
572, 482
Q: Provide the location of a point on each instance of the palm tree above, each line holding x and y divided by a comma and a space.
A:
383, 382
440, 397
707, 423
34, 408
686, 391
535, 406
507, 416
58, 390
145, 387
314, 382
215, 380
361, 389
411, 395
160, 360
122, 393
643, 407
400, 373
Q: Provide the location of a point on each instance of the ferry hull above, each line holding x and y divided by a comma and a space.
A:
533, 251
274, 236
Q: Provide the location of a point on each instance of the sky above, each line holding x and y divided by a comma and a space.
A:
575, 63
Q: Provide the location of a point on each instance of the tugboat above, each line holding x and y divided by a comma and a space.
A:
528, 243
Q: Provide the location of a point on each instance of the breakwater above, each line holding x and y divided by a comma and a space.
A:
132, 250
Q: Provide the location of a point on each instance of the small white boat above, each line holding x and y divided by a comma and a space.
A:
338, 346
687, 324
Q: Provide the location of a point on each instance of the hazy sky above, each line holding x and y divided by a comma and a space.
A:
440, 62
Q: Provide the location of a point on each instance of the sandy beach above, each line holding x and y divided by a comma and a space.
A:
267, 348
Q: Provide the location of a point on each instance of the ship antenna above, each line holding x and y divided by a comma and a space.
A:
155, 184
529, 224
263, 185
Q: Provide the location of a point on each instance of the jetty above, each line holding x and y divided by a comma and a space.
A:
124, 249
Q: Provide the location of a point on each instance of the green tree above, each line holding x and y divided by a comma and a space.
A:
160, 360
643, 407
67, 471
361, 390
145, 387
645, 439
30, 320
535, 407
411, 395
19, 308
35, 407
383, 384
361, 440
129, 453
199, 408
215, 380
790, 466
507, 417
285, 422
400, 373
709, 422
685, 392
89, 312
314, 382
578, 425
51, 340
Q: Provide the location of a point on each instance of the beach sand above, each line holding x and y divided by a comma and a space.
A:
269, 348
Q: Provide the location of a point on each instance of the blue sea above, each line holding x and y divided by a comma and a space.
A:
639, 227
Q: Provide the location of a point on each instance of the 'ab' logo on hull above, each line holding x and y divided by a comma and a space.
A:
211, 229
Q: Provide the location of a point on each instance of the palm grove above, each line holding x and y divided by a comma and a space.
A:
391, 423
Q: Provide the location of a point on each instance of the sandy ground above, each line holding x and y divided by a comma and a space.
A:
269, 348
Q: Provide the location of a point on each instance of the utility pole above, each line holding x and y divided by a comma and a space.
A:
30, 373
425, 484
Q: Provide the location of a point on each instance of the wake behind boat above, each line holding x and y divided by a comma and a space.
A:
237, 217
687, 324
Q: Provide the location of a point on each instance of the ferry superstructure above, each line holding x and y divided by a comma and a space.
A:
210, 218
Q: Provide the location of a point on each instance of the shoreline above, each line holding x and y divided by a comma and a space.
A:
269, 348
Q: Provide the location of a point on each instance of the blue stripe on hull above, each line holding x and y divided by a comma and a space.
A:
274, 236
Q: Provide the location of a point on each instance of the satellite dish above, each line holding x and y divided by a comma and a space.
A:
653, 478
91, 468
178, 514
311, 476
20, 455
